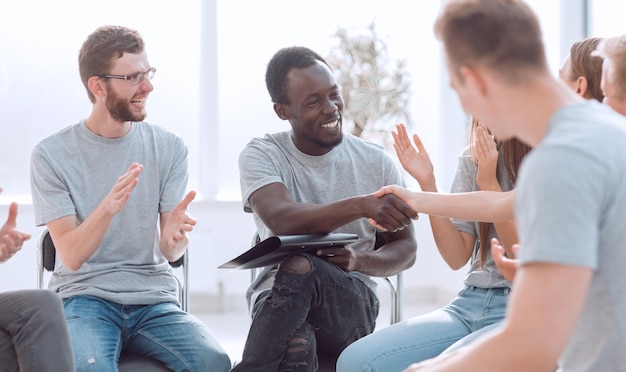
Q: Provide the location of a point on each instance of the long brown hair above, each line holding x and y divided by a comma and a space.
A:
512, 152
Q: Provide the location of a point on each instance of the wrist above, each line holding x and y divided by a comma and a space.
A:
490, 187
429, 184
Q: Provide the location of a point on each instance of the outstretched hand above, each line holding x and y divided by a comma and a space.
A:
120, 193
401, 193
179, 223
506, 265
11, 239
414, 160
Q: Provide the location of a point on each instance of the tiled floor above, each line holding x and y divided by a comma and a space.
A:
231, 328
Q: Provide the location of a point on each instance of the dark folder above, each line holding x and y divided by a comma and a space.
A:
275, 248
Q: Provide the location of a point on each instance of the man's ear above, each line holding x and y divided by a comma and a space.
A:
581, 86
281, 110
96, 86
474, 80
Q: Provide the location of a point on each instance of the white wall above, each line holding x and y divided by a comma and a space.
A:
210, 88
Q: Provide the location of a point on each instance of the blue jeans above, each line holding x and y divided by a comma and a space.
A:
395, 347
305, 314
100, 330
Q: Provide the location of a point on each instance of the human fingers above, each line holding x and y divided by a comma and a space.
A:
497, 251
402, 135
12, 243
12, 217
399, 192
515, 249
18, 237
127, 181
406, 211
184, 204
332, 252
489, 143
506, 266
384, 190
402, 144
376, 224
393, 213
419, 144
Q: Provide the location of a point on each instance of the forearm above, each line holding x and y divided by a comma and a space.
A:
450, 242
74, 243
393, 257
507, 235
484, 206
306, 218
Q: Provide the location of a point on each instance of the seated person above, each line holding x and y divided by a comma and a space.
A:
33, 333
485, 164
313, 179
567, 301
109, 190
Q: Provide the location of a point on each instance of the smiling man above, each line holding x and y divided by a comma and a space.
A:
109, 190
314, 179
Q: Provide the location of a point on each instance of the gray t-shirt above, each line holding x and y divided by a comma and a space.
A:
354, 167
71, 173
571, 210
487, 276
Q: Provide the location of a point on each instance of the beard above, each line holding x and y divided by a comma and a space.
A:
119, 108
327, 143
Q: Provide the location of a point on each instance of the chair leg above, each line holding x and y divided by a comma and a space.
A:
396, 298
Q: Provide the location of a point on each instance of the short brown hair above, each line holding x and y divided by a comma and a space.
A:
102, 46
583, 63
614, 48
502, 35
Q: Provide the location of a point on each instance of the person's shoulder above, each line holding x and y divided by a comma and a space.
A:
587, 122
60, 136
144, 126
268, 142
160, 133
353, 142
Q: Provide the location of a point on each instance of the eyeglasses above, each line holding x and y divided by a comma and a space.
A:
134, 79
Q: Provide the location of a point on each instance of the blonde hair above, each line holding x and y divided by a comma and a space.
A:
614, 49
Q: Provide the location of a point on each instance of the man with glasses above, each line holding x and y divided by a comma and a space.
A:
109, 190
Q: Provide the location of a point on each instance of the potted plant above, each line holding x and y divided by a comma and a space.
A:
375, 87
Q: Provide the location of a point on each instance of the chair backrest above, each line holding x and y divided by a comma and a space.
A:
395, 282
46, 259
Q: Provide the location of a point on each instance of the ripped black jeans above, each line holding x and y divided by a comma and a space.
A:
316, 309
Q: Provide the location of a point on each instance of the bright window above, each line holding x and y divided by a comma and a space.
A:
210, 58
